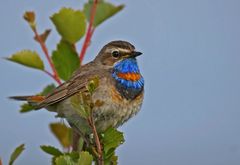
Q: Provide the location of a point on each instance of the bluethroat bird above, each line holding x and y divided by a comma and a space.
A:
120, 89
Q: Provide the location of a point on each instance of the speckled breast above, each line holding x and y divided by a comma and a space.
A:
116, 109
122, 95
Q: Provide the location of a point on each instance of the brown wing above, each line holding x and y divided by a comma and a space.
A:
76, 84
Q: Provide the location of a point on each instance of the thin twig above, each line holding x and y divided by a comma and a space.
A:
97, 141
45, 50
90, 31
50, 74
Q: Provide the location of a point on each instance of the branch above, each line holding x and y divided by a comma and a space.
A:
90, 31
97, 141
45, 50
51, 75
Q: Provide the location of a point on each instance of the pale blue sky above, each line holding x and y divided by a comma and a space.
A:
191, 65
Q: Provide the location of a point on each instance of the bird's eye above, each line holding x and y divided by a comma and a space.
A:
115, 54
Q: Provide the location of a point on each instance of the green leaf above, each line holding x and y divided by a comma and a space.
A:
48, 89
93, 84
74, 155
113, 160
85, 158
70, 24
104, 11
65, 60
62, 133
28, 58
81, 144
16, 153
80, 104
26, 108
51, 150
64, 160
112, 138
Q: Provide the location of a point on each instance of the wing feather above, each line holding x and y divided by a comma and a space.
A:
76, 84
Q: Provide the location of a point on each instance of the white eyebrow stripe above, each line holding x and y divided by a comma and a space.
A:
124, 50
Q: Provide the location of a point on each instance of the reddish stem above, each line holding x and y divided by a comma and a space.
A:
51, 75
97, 140
45, 50
90, 31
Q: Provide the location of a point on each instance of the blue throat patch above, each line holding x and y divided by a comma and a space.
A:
125, 66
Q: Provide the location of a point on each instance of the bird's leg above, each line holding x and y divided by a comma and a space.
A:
75, 140
77, 134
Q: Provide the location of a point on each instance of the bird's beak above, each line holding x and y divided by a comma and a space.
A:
135, 54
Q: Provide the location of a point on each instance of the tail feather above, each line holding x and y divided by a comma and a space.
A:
20, 98
30, 99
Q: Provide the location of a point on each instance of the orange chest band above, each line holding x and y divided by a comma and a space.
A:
129, 76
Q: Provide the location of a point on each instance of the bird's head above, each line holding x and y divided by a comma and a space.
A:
115, 52
120, 56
